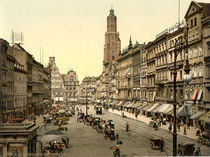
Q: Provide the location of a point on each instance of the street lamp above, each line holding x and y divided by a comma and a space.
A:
179, 45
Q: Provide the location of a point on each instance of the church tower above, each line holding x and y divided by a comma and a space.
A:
112, 40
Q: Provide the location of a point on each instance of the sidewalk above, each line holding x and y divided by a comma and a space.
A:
191, 133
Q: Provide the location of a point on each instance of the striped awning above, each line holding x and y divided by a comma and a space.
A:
156, 105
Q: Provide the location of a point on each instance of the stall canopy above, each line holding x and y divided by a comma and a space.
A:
185, 110
153, 107
196, 115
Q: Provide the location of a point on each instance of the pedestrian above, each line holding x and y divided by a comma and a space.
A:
198, 132
202, 128
127, 126
136, 115
170, 127
185, 130
197, 152
117, 136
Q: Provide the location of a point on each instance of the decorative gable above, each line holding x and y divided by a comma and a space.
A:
193, 8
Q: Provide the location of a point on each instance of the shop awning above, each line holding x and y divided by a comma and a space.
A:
196, 115
153, 107
199, 94
172, 111
170, 107
136, 105
146, 107
185, 110
140, 107
205, 116
120, 103
161, 108
128, 106
194, 94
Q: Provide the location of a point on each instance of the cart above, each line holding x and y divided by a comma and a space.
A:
186, 149
98, 109
157, 143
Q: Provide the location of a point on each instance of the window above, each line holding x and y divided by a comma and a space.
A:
196, 52
191, 21
191, 53
180, 74
195, 22
200, 51
201, 71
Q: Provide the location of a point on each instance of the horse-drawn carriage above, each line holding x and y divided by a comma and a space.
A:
186, 149
157, 143
109, 131
96, 120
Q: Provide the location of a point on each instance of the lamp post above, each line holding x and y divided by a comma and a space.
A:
179, 45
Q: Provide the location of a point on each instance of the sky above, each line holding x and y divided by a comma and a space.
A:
74, 30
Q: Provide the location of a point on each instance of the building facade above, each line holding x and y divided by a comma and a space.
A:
143, 74
87, 90
125, 75
71, 87
3, 75
151, 86
194, 90
57, 85
20, 91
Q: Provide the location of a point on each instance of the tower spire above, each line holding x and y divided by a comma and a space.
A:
130, 43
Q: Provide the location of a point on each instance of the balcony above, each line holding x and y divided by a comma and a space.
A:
179, 64
160, 82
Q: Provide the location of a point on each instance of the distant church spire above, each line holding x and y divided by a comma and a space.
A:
130, 43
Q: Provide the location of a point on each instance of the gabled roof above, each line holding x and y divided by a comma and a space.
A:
19, 46
198, 5
206, 9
